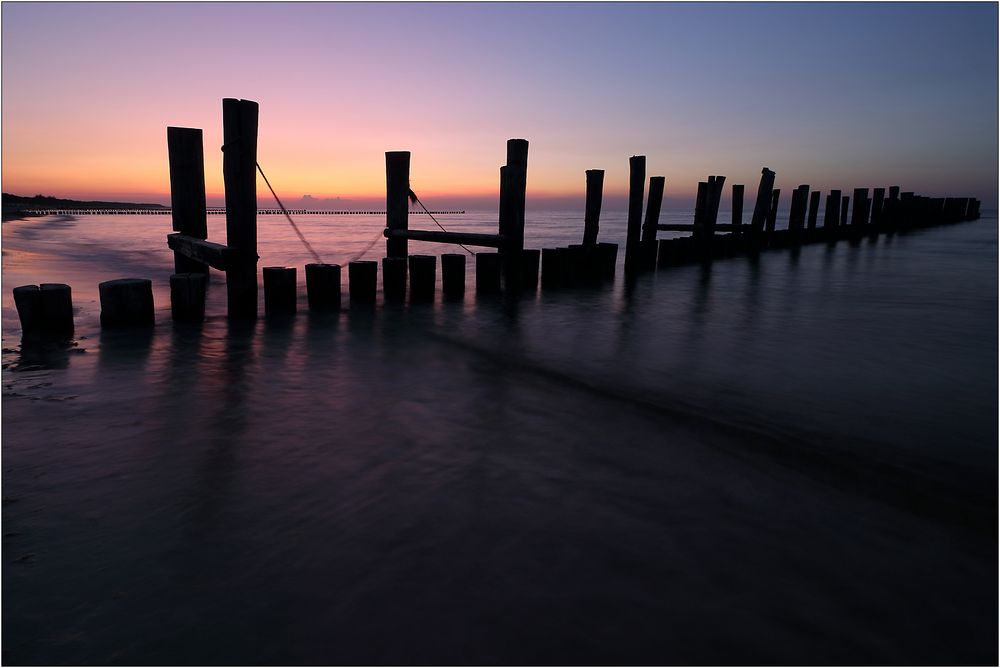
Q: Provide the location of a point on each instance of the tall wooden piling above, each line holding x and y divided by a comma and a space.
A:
648, 239
762, 206
514, 180
772, 213
797, 212
831, 217
737, 206
239, 170
858, 217
715, 185
397, 205
878, 205
845, 202
813, 209
186, 156
637, 182
592, 212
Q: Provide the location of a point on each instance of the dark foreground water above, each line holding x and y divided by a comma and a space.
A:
788, 460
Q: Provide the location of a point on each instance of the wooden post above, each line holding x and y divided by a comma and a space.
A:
397, 205
553, 268
715, 185
813, 209
488, 270
831, 217
648, 240
637, 182
772, 212
126, 302
737, 206
530, 258
844, 203
700, 204
877, 207
514, 181
453, 275
186, 156
279, 290
187, 297
763, 204
423, 277
608, 259
362, 281
858, 218
592, 213
323, 286
28, 301
57, 308
394, 278
239, 170
797, 213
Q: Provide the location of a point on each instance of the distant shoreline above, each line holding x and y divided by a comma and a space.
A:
17, 207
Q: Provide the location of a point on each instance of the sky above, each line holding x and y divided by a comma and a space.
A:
832, 95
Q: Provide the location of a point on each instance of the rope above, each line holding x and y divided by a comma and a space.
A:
290, 221
414, 198
360, 255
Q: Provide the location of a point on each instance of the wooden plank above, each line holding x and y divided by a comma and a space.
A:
471, 239
215, 255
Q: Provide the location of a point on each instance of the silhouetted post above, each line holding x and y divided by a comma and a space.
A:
453, 275
514, 180
700, 205
362, 281
323, 286
877, 207
637, 182
45, 310
737, 206
762, 206
279, 290
592, 214
772, 213
530, 258
239, 169
653, 205
187, 191
423, 277
488, 273
858, 218
797, 213
126, 302
553, 267
607, 254
831, 218
894, 192
397, 205
187, 297
813, 209
394, 278
845, 202
715, 185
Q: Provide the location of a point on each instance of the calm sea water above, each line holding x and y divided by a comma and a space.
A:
785, 460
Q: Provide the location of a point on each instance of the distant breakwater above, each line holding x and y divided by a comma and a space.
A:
165, 212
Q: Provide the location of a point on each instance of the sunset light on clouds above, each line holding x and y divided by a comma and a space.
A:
836, 95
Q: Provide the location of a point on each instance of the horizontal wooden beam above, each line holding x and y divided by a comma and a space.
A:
681, 227
488, 240
214, 255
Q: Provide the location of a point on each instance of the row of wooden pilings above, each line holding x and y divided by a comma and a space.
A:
511, 267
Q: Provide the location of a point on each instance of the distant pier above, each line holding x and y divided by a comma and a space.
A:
167, 212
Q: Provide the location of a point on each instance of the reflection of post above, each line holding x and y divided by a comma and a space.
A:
239, 169
592, 214
187, 191
397, 207
637, 183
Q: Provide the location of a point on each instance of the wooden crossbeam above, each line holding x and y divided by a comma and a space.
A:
215, 255
487, 240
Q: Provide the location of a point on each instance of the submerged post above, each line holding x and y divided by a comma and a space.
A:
239, 170
637, 182
186, 156
592, 213
397, 206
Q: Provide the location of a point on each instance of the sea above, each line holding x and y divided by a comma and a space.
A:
784, 459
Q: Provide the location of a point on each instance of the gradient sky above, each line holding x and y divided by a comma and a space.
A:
834, 95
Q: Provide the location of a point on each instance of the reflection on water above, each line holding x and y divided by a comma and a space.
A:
763, 460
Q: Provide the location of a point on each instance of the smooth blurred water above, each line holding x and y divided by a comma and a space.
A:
787, 459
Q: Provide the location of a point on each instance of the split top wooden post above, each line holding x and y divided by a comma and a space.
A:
397, 207
592, 213
239, 170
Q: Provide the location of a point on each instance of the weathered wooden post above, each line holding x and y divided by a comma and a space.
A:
858, 218
762, 205
877, 207
813, 209
637, 182
553, 267
797, 213
397, 206
514, 181
648, 239
186, 156
453, 275
394, 278
737, 207
126, 302
45, 310
845, 202
239, 169
607, 254
831, 217
488, 270
423, 276
772, 213
323, 286
187, 296
279, 290
530, 258
592, 213
362, 281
